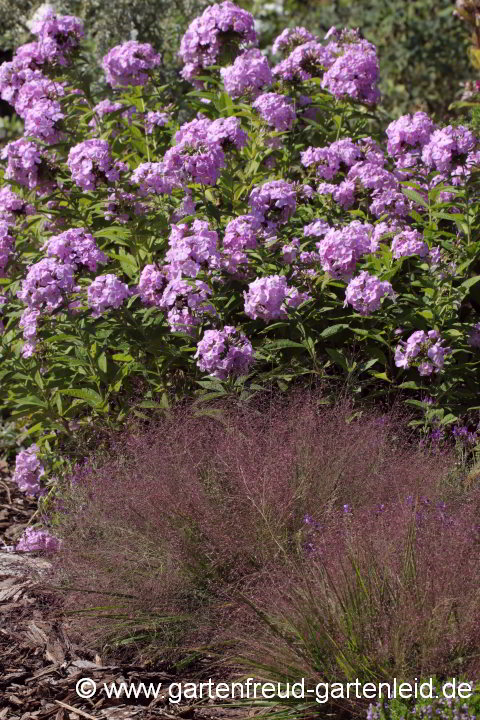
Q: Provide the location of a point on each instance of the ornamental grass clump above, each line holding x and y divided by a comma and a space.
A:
182, 525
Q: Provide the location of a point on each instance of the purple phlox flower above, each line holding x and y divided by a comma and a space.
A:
28, 322
304, 62
6, 246
328, 161
269, 298
354, 73
317, 228
12, 206
290, 250
152, 283
221, 353
39, 88
106, 291
37, 541
291, 38
423, 349
341, 248
221, 28
153, 177
409, 242
273, 202
28, 471
277, 110
44, 121
195, 160
46, 284
187, 304
130, 64
90, 163
365, 293
24, 162
241, 234
58, 37
249, 74
227, 132
448, 145
75, 247
474, 336
191, 250
407, 136
154, 119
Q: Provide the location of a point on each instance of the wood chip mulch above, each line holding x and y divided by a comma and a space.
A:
41, 658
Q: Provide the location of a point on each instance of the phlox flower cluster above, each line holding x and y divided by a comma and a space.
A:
277, 110
90, 163
226, 132
290, 38
46, 284
58, 37
106, 291
268, 298
6, 246
341, 248
43, 121
409, 242
35, 89
423, 350
317, 228
130, 64
241, 234
28, 471
12, 206
28, 323
474, 336
222, 27
190, 250
364, 164
154, 119
152, 177
249, 74
304, 62
23, 162
407, 136
448, 146
221, 353
195, 160
152, 283
37, 541
273, 202
75, 247
187, 304
354, 73
328, 161
365, 293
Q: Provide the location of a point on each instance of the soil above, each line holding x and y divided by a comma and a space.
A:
42, 658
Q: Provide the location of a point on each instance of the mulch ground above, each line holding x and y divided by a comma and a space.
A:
41, 657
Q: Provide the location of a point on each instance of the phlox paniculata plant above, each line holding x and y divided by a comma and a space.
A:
248, 221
